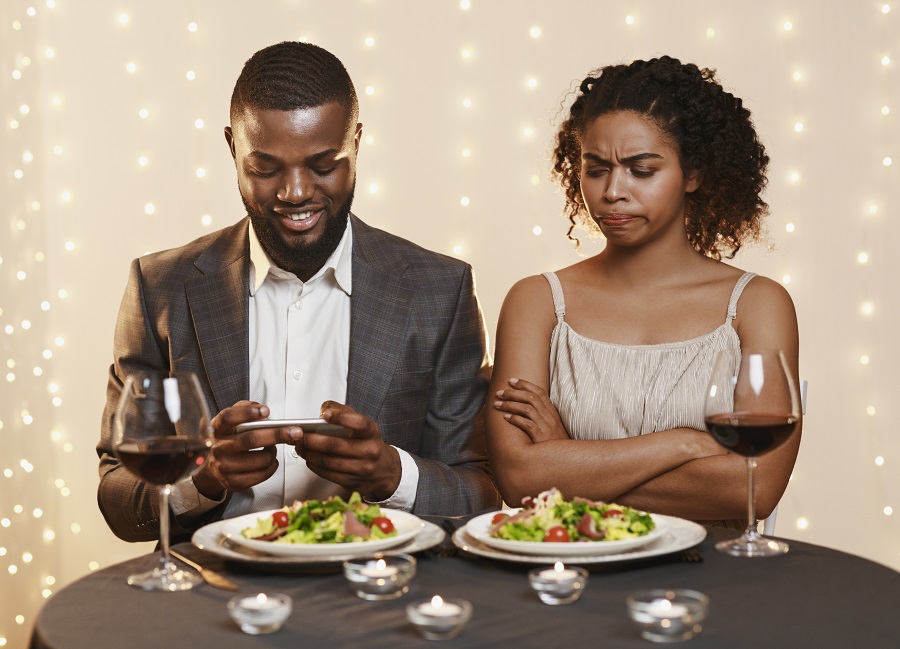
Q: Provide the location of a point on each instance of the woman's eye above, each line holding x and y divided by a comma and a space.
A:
642, 173
594, 172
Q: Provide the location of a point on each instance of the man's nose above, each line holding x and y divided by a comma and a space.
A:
297, 188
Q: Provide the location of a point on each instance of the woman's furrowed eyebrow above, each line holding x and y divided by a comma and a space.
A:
633, 158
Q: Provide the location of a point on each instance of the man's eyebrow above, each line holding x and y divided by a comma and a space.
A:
314, 158
262, 156
593, 157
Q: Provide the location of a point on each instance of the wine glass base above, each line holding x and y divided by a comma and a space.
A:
745, 546
170, 580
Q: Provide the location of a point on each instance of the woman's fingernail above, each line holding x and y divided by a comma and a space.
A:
507, 416
497, 404
513, 381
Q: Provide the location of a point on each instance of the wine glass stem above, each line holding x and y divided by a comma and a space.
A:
164, 527
751, 499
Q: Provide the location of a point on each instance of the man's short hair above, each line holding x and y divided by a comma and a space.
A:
293, 75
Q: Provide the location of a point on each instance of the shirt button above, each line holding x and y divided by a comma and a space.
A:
294, 453
297, 374
298, 305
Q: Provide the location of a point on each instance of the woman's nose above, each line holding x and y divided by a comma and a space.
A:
616, 186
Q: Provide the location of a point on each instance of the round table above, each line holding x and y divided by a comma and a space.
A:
812, 597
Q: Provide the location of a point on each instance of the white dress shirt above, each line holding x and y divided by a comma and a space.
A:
299, 355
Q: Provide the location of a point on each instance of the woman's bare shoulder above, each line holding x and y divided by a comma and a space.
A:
764, 291
528, 292
765, 306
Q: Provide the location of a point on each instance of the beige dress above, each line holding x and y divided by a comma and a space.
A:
609, 391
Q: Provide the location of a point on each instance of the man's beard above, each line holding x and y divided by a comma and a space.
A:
305, 258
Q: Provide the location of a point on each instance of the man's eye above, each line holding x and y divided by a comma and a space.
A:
263, 173
324, 171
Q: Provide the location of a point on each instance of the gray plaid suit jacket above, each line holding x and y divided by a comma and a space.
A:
418, 361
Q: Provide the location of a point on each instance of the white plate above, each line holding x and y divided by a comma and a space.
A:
677, 534
407, 526
479, 529
210, 538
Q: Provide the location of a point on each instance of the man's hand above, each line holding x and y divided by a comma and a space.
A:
361, 462
232, 465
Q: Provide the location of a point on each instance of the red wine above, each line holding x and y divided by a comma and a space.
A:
750, 434
163, 460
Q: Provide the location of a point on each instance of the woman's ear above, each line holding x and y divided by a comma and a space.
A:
692, 181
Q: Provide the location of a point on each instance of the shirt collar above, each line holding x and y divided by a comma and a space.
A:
339, 263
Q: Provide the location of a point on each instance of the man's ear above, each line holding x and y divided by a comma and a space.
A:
357, 137
229, 137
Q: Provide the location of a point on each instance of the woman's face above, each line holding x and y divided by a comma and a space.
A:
631, 179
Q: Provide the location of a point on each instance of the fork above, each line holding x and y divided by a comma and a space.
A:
211, 577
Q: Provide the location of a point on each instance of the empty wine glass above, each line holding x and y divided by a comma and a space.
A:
162, 434
752, 406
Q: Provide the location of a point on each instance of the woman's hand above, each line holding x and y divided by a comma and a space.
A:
528, 407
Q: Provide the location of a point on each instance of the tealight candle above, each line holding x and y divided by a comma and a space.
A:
259, 613
665, 608
381, 569
559, 585
380, 577
439, 619
668, 615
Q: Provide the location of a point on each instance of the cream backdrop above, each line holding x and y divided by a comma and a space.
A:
112, 116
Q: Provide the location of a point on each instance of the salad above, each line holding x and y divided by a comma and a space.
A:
549, 517
324, 521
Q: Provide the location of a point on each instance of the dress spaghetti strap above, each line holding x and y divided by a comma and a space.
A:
736, 294
559, 302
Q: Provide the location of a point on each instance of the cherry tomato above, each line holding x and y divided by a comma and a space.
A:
383, 523
527, 503
609, 513
499, 516
281, 519
557, 534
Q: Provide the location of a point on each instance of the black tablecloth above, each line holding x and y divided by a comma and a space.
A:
812, 597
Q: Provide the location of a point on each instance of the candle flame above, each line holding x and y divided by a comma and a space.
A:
380, 564
558, 566
261, 598
436, 601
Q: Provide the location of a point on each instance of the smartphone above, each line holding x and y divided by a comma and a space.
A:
317, 426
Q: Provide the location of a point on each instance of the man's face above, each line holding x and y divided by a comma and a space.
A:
296, 174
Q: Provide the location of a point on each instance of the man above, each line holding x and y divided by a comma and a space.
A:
299, 309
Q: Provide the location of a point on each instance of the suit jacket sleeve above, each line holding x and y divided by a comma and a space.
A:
129, 505
454, 475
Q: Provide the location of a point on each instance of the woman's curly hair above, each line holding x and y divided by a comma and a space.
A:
711, 130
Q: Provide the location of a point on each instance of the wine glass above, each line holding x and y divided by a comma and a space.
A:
162, 434
751, 407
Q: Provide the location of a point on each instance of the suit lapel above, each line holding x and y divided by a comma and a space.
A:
219, 304
379, 317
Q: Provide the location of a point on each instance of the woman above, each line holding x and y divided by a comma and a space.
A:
667, 165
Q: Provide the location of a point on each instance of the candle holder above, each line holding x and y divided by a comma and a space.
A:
668, 615
259, 614
380, 577
558, 585
439, 619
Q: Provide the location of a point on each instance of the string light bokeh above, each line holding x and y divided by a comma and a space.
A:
111, 146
